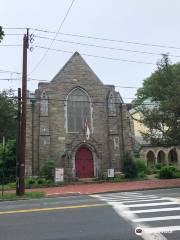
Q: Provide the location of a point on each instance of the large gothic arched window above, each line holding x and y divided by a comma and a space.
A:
78, 108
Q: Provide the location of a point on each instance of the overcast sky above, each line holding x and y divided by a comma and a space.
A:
152, 22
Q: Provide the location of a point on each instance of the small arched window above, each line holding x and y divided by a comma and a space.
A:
78, 109
112, 104
44, 104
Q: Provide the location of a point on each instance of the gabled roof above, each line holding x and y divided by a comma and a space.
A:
75, 67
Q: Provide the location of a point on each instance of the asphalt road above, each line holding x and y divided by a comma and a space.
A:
104, 216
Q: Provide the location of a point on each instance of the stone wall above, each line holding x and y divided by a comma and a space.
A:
110, 136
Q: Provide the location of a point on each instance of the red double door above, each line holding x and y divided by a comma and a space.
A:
84, 163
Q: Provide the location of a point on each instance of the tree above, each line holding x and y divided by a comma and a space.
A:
8, 112
130, 170
1, 33
158, 103
8, 161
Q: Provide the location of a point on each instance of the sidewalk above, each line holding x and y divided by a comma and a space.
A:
81, 189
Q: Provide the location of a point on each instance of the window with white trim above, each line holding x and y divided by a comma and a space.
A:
112, 105
44, 104
116, 143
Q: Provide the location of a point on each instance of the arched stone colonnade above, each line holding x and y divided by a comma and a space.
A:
162, 155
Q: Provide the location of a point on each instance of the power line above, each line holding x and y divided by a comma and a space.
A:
106, 39
44, 55
15, 28
10, 45
65, 100
14, 34
8, 71
45, 80
105, 47
97, 56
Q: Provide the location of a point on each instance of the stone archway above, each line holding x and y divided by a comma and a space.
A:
84, 163
161, 157
172, 156
150, 157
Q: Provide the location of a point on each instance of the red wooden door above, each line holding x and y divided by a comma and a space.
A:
84, 163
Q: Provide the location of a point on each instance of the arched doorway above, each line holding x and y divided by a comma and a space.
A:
150, 159
84, 163
161, 157
172, 156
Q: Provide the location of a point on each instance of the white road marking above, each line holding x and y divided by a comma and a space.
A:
152, 219
168, 229
125, 198
117, 202
151, 204
156, 210
144, 200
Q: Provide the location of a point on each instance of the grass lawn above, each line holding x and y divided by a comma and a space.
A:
27, 195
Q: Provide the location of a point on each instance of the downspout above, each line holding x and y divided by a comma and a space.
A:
32, 148
122, 134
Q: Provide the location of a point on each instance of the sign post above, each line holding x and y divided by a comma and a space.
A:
59, 175
110, 172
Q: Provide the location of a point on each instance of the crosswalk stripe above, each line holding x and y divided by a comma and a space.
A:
144, 200
125, 198
156, 210
167, 229
152, 219
151, 204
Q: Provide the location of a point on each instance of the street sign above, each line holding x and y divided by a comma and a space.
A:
59, 174
111, 172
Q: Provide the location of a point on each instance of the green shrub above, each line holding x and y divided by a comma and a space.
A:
152, 170
130, 169
11, 185
49, 182
140, 165
47, 170
41, 181
141, 174
167, 172
177, 174
30, 181
159, 166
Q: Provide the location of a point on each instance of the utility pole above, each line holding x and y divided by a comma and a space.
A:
18, 143
23, 117
3, 160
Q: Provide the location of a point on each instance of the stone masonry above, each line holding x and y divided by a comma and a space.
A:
47, 135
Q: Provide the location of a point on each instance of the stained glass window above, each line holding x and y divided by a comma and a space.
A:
78, 108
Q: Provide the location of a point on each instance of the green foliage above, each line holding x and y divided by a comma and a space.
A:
1, 33
140, 165
8, 110
30, 181
159, 166
47, 170
167, 172
29, 195
158, 103
130, 169
8, 162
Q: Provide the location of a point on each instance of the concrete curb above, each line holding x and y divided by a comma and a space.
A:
113, 191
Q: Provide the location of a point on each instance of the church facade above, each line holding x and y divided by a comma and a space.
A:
77, 121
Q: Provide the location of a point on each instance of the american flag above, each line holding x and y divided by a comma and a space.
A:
86, 128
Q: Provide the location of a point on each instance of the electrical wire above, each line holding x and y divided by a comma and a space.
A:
92, 102
45, 54
8, 71
106, 39
10, 45
97, 56
105, 47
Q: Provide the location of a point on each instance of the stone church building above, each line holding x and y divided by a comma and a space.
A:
56, 116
